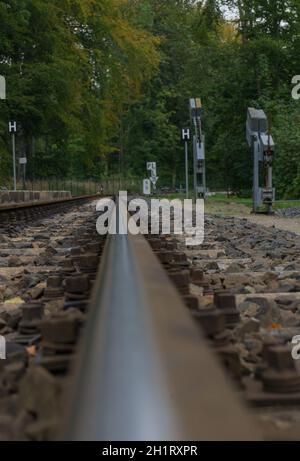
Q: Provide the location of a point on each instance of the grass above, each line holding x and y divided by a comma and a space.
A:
287, 204
223, 199
218, 198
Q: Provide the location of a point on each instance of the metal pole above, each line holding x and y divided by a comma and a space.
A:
195, 168
14, 160
204, 167
270, 185
24, 177
255, 178
196, 138
270, 177
186, 170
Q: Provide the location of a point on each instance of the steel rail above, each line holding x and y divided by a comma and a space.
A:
21, 206
145, 372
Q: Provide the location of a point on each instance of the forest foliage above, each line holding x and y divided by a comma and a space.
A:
100, 87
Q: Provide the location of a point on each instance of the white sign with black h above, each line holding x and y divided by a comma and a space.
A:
12, 127
185, 134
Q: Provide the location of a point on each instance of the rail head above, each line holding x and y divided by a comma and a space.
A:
145, 372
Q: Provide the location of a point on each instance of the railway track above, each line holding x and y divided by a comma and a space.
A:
128, 338
145, 371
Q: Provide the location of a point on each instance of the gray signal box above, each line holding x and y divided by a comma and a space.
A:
196, 113
263, 147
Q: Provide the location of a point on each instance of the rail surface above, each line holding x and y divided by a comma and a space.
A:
145, 372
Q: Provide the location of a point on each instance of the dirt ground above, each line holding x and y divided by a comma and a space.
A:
242, 211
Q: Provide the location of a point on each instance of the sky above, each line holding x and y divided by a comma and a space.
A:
229, 14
